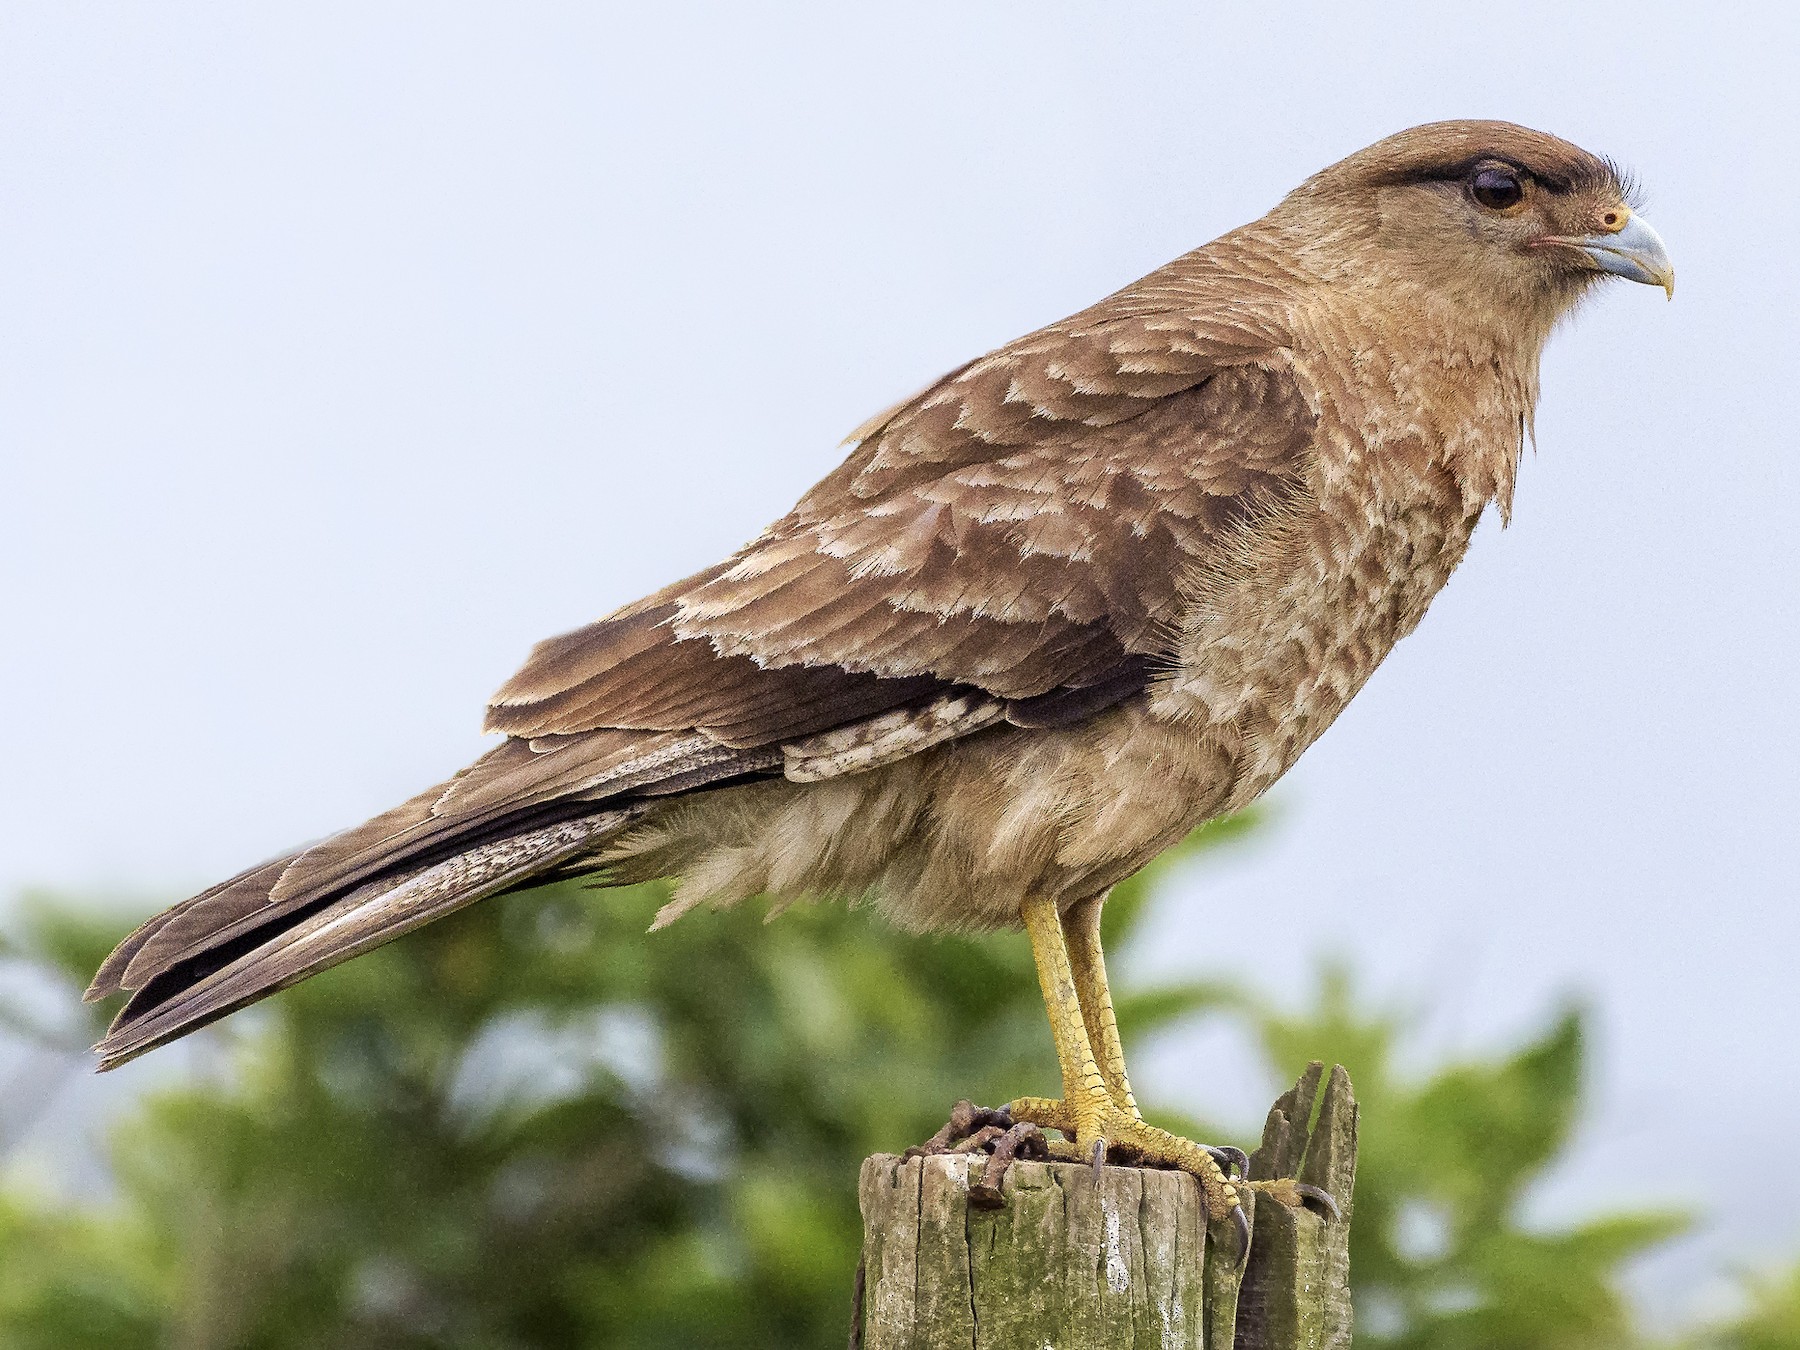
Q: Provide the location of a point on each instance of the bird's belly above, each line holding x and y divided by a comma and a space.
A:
952, 838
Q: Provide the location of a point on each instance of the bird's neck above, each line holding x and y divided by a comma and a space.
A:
1462, 361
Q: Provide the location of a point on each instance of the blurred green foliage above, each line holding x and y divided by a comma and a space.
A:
1772, 1322
532, 1125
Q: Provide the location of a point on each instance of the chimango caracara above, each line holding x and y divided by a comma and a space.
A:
1077, 597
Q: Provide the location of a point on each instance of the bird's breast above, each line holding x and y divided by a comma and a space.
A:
1269, 655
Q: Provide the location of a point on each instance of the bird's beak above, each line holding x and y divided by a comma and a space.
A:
1632, 250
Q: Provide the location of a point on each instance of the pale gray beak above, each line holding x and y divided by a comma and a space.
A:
1634, 251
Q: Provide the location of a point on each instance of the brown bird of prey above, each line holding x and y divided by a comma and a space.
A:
1074, 599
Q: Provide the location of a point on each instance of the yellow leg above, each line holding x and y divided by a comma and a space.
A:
1087, 1113
1082, 1080
1081, 934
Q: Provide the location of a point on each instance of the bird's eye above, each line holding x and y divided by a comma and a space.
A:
1497, 189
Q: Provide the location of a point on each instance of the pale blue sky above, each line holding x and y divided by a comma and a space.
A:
346, 349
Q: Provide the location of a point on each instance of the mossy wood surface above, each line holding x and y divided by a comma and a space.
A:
1079, 1261
1296, 1288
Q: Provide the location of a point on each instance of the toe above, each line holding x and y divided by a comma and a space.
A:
1299, 1195
967, 1122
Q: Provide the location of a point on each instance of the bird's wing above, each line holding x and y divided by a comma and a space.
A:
1018, 532
1010, 544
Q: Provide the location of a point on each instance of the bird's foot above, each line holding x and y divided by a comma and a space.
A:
1097, 1130
1115, 1134
990, 1130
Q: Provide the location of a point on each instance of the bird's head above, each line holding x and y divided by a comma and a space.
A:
1491, 216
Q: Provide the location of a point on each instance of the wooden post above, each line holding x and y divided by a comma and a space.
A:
1079, 1261
1296, 1290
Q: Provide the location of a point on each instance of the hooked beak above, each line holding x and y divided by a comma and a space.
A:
1633, 250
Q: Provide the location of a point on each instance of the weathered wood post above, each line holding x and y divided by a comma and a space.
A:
1079, 1261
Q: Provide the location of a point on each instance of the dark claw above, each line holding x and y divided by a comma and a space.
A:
1228, 1157
1241, 1221
1320, 1200
1022, 1140
1099, 1159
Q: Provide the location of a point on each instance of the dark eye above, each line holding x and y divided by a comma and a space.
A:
1497, 189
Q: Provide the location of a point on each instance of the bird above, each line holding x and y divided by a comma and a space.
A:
1063, 606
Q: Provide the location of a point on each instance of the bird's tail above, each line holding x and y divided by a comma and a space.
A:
238, 942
